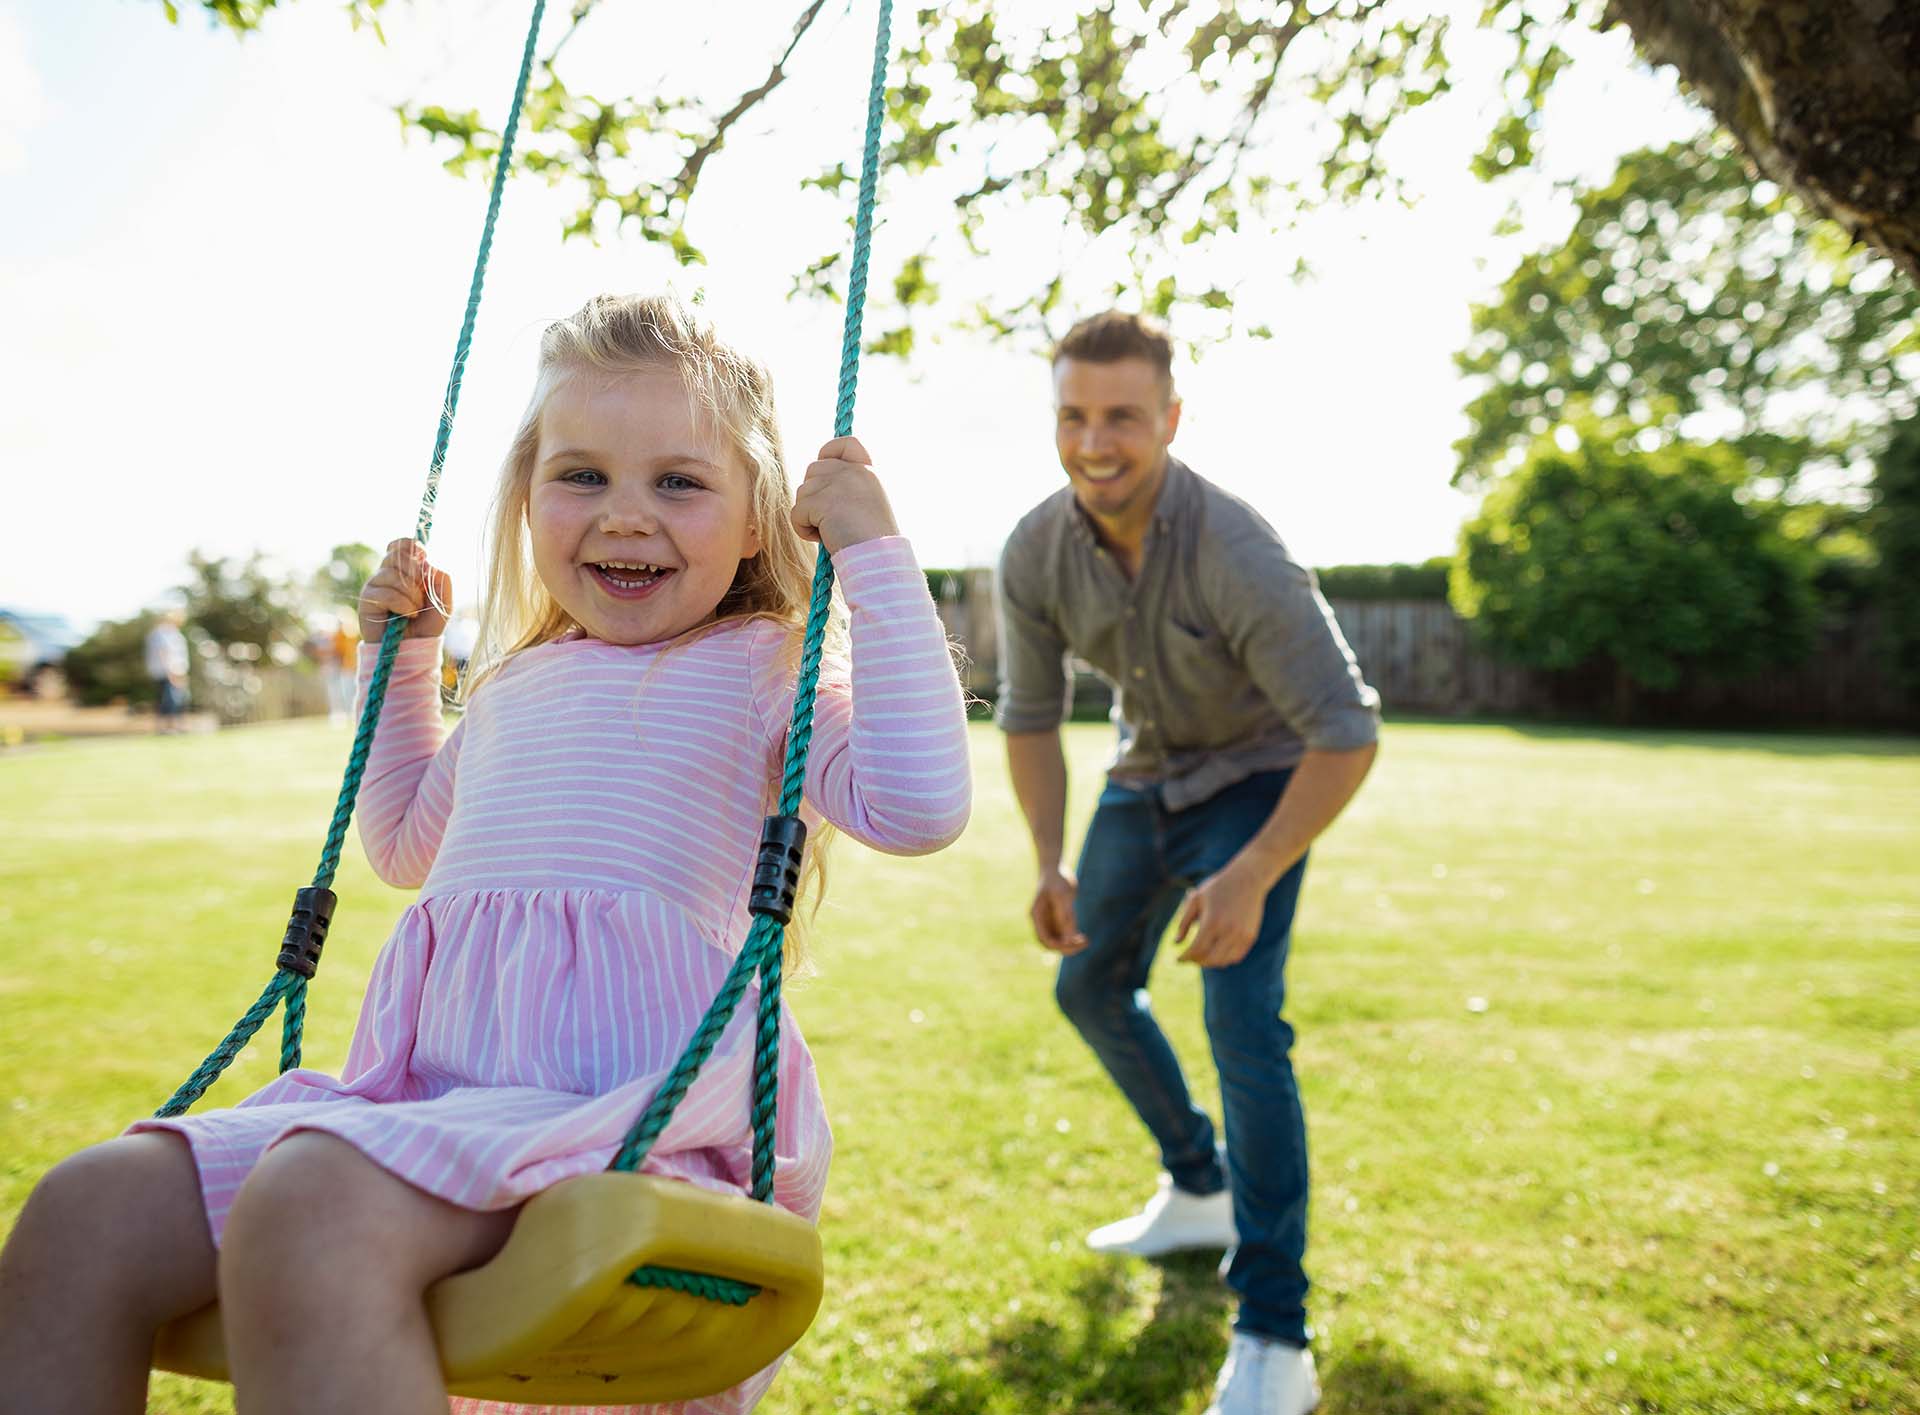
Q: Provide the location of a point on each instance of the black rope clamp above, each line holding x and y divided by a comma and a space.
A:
776, 874
307, 930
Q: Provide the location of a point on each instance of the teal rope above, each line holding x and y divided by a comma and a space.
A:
822, 602
761, 953
766, 1074
291, 986
293, 1021
714, 1289
390, 641
863, 228
633, 1150
195, 1086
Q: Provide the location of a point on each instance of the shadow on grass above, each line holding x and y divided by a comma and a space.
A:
1091, 1353
1372, 1381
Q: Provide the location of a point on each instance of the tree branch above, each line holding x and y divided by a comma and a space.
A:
581, 9
697, 159
1205, 154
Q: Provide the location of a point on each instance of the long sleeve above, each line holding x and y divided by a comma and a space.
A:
1279, 626
1035, 691
406, 795
889, 762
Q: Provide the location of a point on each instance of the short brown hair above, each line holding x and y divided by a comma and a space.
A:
1115, 335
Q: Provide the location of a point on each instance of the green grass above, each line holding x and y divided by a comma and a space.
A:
1671, 1166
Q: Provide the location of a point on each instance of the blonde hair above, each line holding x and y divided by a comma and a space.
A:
624, 334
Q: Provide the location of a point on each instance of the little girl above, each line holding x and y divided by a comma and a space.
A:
584, 841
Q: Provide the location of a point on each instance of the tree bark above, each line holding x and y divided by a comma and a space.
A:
1823, 94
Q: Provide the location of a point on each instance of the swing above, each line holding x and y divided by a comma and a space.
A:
619, 1287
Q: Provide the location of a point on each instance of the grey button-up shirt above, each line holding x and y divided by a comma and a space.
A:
1225, 659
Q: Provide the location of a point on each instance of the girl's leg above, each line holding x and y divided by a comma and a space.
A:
323, 1270
113, 1243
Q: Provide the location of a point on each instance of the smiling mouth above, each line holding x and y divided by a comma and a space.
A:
1103, 472
629, 579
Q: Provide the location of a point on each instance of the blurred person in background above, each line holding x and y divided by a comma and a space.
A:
167, 662
337, 666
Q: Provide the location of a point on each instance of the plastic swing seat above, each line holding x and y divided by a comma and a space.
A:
553, 1320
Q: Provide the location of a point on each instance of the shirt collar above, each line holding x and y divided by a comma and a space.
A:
1176, 494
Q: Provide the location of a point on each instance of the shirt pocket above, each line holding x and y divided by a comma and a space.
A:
1197, 657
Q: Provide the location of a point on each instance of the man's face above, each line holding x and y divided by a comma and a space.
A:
1112, 424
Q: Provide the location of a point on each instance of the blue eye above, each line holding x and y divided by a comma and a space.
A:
583, 476
678, 481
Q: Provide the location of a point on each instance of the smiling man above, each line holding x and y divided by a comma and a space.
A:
1245, 727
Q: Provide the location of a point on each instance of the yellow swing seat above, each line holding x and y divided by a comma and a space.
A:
552, 1319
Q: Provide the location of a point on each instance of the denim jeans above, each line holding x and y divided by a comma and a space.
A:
1136, 865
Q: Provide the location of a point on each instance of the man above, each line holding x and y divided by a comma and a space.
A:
1245, 727
166, 654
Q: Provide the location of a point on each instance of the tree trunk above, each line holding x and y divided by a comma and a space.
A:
1824, 95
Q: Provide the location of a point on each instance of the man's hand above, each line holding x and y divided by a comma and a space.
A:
1052, 912
1223, 914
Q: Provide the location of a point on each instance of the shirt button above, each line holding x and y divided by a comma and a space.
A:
1129, 613
1139, 672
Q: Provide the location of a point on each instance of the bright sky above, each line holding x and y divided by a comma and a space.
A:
229, 294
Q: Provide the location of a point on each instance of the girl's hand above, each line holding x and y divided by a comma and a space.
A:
405, 585
841, 502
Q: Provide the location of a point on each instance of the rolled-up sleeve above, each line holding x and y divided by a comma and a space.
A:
1281, 627
1035, 690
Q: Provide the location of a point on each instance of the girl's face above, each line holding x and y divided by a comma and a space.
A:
637, 508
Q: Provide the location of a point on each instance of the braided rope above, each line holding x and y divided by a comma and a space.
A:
654, 1119
863, 227
761, 952
766, 1074
822, 601
290, 985
293, 1021
204, 1075
714, 1289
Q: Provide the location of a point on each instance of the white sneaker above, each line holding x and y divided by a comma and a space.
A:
1172, 1220
1265, 1378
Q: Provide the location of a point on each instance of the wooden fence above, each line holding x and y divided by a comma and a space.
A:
1420, 656
1423, 658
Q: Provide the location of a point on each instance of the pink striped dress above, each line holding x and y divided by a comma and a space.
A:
584, 842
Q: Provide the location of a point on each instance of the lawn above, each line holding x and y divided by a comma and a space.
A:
1610, 1046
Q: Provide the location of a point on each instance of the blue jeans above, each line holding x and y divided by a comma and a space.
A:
1136, 865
